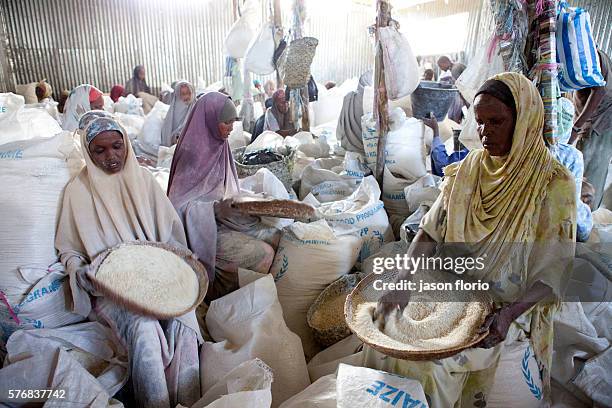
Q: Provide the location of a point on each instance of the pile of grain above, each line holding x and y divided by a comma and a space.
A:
423, 325
150, 277
330, 313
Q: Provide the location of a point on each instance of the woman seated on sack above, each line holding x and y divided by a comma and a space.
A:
181, 101
137, 86
43, 91
83, 98
202, 181
113, 200
516, 204
278, 118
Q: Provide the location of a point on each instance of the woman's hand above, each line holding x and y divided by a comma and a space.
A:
391, 301
432, 123
422, 245
224, 209
143, 161
497, 323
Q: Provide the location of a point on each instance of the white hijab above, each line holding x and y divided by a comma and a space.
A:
76, 105
177, 114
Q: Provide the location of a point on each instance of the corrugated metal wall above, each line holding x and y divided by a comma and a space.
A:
99, 41
601, 20
70, 42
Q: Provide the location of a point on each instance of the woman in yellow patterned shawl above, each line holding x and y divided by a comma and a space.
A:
515, 204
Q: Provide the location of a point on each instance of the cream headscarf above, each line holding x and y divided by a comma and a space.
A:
100, 211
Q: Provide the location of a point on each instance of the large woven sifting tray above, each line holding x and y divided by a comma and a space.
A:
275, 208
150, 279
365, 292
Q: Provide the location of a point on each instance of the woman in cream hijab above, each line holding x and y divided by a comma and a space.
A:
114, 200
515, 205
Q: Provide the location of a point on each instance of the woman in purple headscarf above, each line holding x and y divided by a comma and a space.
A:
203, 180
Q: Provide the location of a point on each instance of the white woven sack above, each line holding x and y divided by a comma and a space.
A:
247, 324
517, 379
132, 124
246, 385
47, 303
401, 67
322, 171
33, 174
479, 70
28, 91
321, 394
258, 58
19, 123
152, 128
369, 135
406, 151
240, 34
361, 214
365, 387
309, 258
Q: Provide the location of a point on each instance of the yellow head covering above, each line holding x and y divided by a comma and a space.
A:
492, 198
494, 203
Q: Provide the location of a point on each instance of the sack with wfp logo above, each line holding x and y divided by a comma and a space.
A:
361, 214
576, 52
365, 387
46, 305
309, 258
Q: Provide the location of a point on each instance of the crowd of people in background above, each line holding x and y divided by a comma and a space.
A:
584, 124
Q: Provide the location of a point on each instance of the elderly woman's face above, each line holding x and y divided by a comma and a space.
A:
108, 151
141, 73
495, 122
225, 128
587, 194
186, 95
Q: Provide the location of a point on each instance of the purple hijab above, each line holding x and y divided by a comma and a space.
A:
203, 166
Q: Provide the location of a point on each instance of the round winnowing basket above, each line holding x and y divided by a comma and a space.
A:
117, 292
365, 292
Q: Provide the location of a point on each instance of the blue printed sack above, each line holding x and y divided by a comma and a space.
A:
576, 53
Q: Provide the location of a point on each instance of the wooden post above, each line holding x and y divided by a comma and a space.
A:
298, 30
5, 57
278, 25
305, 117
548, 78
235, 9
381, 110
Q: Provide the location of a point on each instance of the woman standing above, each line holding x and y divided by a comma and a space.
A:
514, 205
182, 100
592, 130
203, 180
114, 200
